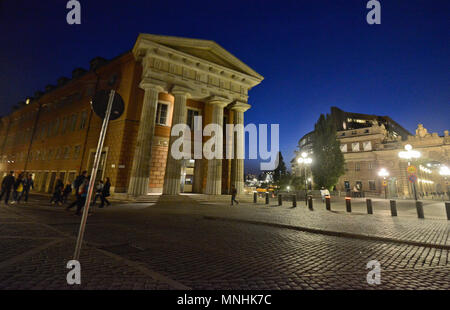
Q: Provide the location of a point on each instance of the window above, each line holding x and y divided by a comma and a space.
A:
367, 146
64, 125
66, 152
56, 127
76, 152
372, 186
161, 114
58, 152
74, 122
343, 148
371, 165
190, 117
357, 166
83, 120
49, 154
355, 146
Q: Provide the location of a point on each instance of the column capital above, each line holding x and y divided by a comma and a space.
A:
148, 83
240, 106
181, 90
218, 101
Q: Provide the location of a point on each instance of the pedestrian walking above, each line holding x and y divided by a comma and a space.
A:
57, 193
324, 192
82, 192
233, 195
18, 189
105, 193
66, 192
27, 185
98, 191
76, 184
7, 185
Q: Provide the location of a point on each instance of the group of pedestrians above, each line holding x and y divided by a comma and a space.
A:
20, 187
81, 185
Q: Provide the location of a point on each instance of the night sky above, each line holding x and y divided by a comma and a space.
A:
313, 54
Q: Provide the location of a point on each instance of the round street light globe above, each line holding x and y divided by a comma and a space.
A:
408, 147
300, 160
383, 172
304, 154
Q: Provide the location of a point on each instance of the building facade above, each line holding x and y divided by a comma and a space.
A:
370, 143
163, 81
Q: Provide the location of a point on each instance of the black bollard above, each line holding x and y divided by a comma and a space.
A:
369, 206
255, 197
310, 203
348, 204
280, 200
419, 207
328, 203
447, 208
267, 198
294, 201
393, 208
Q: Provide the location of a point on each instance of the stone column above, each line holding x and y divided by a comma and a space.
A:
140, 171
198, 176
172, 177
237, 164
214, 174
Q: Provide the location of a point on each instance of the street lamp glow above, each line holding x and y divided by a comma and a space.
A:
409, 153
383, 173
444, 171
304, 154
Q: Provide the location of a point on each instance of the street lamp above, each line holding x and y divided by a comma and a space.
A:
305, 160
410, 154
384, 173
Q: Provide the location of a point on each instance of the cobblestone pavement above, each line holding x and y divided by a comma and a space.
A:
214, 246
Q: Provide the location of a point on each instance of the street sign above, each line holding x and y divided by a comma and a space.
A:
411, 169
99, 104
412, 178
384, 183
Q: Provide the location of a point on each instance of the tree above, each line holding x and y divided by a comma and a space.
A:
280, 172
329, 161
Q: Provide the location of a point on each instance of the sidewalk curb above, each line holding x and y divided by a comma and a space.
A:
331, 232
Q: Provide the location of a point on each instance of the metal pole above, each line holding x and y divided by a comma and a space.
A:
76, 255
306, 187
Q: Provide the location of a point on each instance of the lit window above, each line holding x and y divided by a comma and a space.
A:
367, 146
355, 146
343, 148
161, 114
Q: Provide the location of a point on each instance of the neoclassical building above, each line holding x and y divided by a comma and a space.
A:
370, 143
163, 81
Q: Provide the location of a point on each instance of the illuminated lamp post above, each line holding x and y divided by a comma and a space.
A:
305, 161
384, 173
410, 154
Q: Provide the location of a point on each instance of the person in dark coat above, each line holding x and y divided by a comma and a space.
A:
28, 184
82, 192
233, 195
105, 193
7, 186
76, 184
66, 192
57, 193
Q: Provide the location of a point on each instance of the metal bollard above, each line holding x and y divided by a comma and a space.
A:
447, 208
348, 204
328, 203
369, 206
310, 203
267, 198
294, 201
393, 208
255, 197
280, 200
419, 207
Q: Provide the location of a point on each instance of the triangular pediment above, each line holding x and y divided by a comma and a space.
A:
204, 49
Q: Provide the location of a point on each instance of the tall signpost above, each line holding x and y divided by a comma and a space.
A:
108, 107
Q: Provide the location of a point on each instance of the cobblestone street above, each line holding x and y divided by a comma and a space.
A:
210, 245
